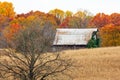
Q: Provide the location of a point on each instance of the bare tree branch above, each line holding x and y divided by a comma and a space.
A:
27, 57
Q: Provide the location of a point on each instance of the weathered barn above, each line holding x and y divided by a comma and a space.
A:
73, 37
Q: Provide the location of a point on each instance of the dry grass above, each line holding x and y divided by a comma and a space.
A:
96, 64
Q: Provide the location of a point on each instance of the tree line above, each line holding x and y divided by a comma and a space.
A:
28, 38
11, 23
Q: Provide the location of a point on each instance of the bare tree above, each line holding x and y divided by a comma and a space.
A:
27, 57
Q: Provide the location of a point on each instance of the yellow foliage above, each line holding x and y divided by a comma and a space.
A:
6, 9
68, 14
110, 35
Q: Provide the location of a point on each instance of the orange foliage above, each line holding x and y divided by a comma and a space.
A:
100, 20
109, 25
115, 19
110, 35
65, 23
11, 30
43, 17
6, 9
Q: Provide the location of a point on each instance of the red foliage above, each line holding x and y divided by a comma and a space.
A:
65, 23
13, 28
115, 19
100, 20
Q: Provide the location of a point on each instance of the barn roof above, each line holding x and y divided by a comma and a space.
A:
70, 36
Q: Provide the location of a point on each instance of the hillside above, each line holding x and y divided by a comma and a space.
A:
96, 64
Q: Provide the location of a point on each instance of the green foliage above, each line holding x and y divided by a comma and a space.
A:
93, 42
98, 42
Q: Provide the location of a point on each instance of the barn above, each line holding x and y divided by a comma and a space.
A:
72, 37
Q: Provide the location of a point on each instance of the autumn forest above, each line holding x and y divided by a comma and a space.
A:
26, 40
11, 23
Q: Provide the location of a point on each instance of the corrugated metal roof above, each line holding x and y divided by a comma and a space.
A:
70, 36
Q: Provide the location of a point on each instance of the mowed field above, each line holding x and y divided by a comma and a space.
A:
96, 64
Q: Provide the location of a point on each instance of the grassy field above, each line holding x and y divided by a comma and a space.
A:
96, 64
